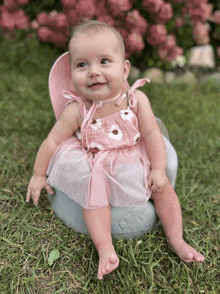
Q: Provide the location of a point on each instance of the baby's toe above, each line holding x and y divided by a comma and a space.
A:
193, 256
105, 270
187, 257
113, 258
199, 257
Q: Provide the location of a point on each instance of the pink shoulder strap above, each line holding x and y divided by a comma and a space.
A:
137, 84
72, 98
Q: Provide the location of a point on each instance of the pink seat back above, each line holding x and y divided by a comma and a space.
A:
59, 80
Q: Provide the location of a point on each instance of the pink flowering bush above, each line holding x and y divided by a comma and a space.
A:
154, 31
134, 42
52, 27
119, 8
136, 22
152, 6
12, 17
199, 10
164, 14
156, 34
216, 17
201, 34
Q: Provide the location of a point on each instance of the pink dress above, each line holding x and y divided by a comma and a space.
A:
106, 162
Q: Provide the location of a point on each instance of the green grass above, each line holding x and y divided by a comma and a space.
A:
29, 234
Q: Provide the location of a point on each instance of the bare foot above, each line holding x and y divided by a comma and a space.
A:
108, 260
184, 251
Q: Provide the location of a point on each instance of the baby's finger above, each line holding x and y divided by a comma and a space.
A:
35, 197
154, 188
28, 196
49, 189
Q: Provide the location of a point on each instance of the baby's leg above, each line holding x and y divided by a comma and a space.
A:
168, 209
98, 223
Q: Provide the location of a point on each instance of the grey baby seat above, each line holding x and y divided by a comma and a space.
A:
127, 222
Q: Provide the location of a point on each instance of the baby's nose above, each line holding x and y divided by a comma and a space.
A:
94, 70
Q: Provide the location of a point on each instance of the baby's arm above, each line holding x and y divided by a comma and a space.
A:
154, 142
62, 130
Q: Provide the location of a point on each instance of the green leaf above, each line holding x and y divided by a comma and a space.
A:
53, 256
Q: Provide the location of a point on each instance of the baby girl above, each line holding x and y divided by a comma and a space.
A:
119, 157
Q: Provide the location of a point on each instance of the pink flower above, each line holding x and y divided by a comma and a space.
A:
169, 54
58, 39
35, 25
119, 7
162, 52
44, 34
170, 41
199, 10
22, 2
218, 51
57, 21
196, 2
22, 21
201, 34
156, 34
69, 3
43, 18
7, 22
107, 19
14, 19
101, 9
168, 47
72, 17
134, 42
61, 21
85, 8
175, 52
152, 6
164, 14
184, 10
136, 22
215, 17
2, 8
10, 5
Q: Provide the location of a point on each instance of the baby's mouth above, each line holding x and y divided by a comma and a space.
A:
96, 85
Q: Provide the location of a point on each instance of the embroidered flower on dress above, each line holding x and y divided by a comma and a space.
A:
126, 114
136, 138
96, 124
115, 132
96, 145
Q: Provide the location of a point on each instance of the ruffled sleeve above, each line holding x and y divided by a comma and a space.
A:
72, 98
137, 84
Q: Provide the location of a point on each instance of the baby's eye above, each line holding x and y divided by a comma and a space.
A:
105, 61
81, 64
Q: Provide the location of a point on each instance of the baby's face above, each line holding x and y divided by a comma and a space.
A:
97, 65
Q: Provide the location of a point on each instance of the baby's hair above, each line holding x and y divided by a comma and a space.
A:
94, 26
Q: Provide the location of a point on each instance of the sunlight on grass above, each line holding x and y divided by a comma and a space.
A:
29, 234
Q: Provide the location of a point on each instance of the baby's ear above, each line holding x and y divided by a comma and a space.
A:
126, 69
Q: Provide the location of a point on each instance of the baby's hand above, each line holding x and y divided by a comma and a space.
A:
157, 180
37, 183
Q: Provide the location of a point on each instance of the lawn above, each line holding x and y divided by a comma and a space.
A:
29, 234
